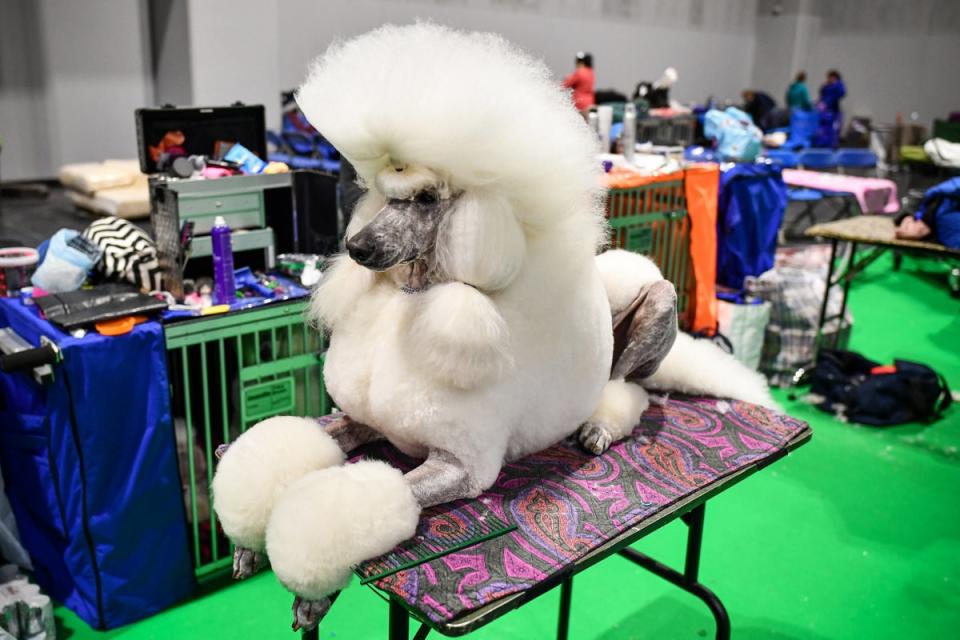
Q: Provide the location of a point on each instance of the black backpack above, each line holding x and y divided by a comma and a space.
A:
868, 393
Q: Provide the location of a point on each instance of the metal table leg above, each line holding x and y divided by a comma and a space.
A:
848, 278
688, 579
566, 594
826, 295
399, 622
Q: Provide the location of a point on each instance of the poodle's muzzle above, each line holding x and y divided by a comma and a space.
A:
401, 232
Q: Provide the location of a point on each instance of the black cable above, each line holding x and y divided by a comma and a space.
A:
83, 497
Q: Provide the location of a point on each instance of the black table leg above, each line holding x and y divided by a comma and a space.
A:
399, 622
566, 594
848, 278
421, 632
826, 295
691, 572
688, 579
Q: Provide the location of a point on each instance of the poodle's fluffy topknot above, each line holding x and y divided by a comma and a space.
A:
467, 105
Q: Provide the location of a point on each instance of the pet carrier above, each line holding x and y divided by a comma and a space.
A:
652, 219
227, 373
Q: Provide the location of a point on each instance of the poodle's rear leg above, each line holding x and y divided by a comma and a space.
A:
620, 409
644, 332
441, 478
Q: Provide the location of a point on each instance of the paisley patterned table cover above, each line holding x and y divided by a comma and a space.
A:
565, 502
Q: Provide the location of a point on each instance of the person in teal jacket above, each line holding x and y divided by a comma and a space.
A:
797, 95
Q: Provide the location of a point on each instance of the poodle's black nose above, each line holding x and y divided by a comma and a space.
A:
361, 248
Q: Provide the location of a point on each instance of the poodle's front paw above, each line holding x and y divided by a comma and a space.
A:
330, 520
595, 437
307, 614
255, 470
247, 562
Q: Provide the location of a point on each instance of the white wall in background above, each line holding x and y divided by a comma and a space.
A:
101, 58
234, 53
709, 42
23, 128
97, 72
170, 52
73, 71
71, 75
895, 56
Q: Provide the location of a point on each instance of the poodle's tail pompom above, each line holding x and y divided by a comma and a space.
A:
701, 367
257, 468
342, 283
460, 336
332, 519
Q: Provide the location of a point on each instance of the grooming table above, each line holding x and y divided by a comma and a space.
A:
875, 231
559, 511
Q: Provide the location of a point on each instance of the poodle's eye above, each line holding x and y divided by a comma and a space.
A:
426, 197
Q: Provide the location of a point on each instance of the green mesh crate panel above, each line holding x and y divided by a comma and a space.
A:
228, 372
652, 219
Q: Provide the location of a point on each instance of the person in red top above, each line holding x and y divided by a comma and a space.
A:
582, 81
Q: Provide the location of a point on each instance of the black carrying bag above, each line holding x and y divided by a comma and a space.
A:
868, 393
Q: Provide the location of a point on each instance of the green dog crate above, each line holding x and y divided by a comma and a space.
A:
228, 372
652, 219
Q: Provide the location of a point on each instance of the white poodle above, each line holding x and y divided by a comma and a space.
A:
471, 321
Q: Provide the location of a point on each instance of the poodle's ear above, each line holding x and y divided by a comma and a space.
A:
481, 243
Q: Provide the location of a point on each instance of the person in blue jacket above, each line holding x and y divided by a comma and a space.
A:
831, 117
832, 91
937, 218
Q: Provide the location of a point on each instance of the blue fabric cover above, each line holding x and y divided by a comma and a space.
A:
753, 198
946, 218
803, 125
90, 468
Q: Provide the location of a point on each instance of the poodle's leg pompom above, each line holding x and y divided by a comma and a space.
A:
343, 281
460, 336
256, 469
330, 520
621, 406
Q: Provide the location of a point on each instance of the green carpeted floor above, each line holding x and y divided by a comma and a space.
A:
856, 535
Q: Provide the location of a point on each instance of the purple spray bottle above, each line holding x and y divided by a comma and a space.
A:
224, 285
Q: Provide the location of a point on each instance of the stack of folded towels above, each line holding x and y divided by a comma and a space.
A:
111, 187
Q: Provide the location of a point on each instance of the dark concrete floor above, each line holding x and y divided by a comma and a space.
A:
27, 219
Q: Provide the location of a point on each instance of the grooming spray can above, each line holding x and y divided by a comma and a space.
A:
593, 121
224, 285
629, 140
